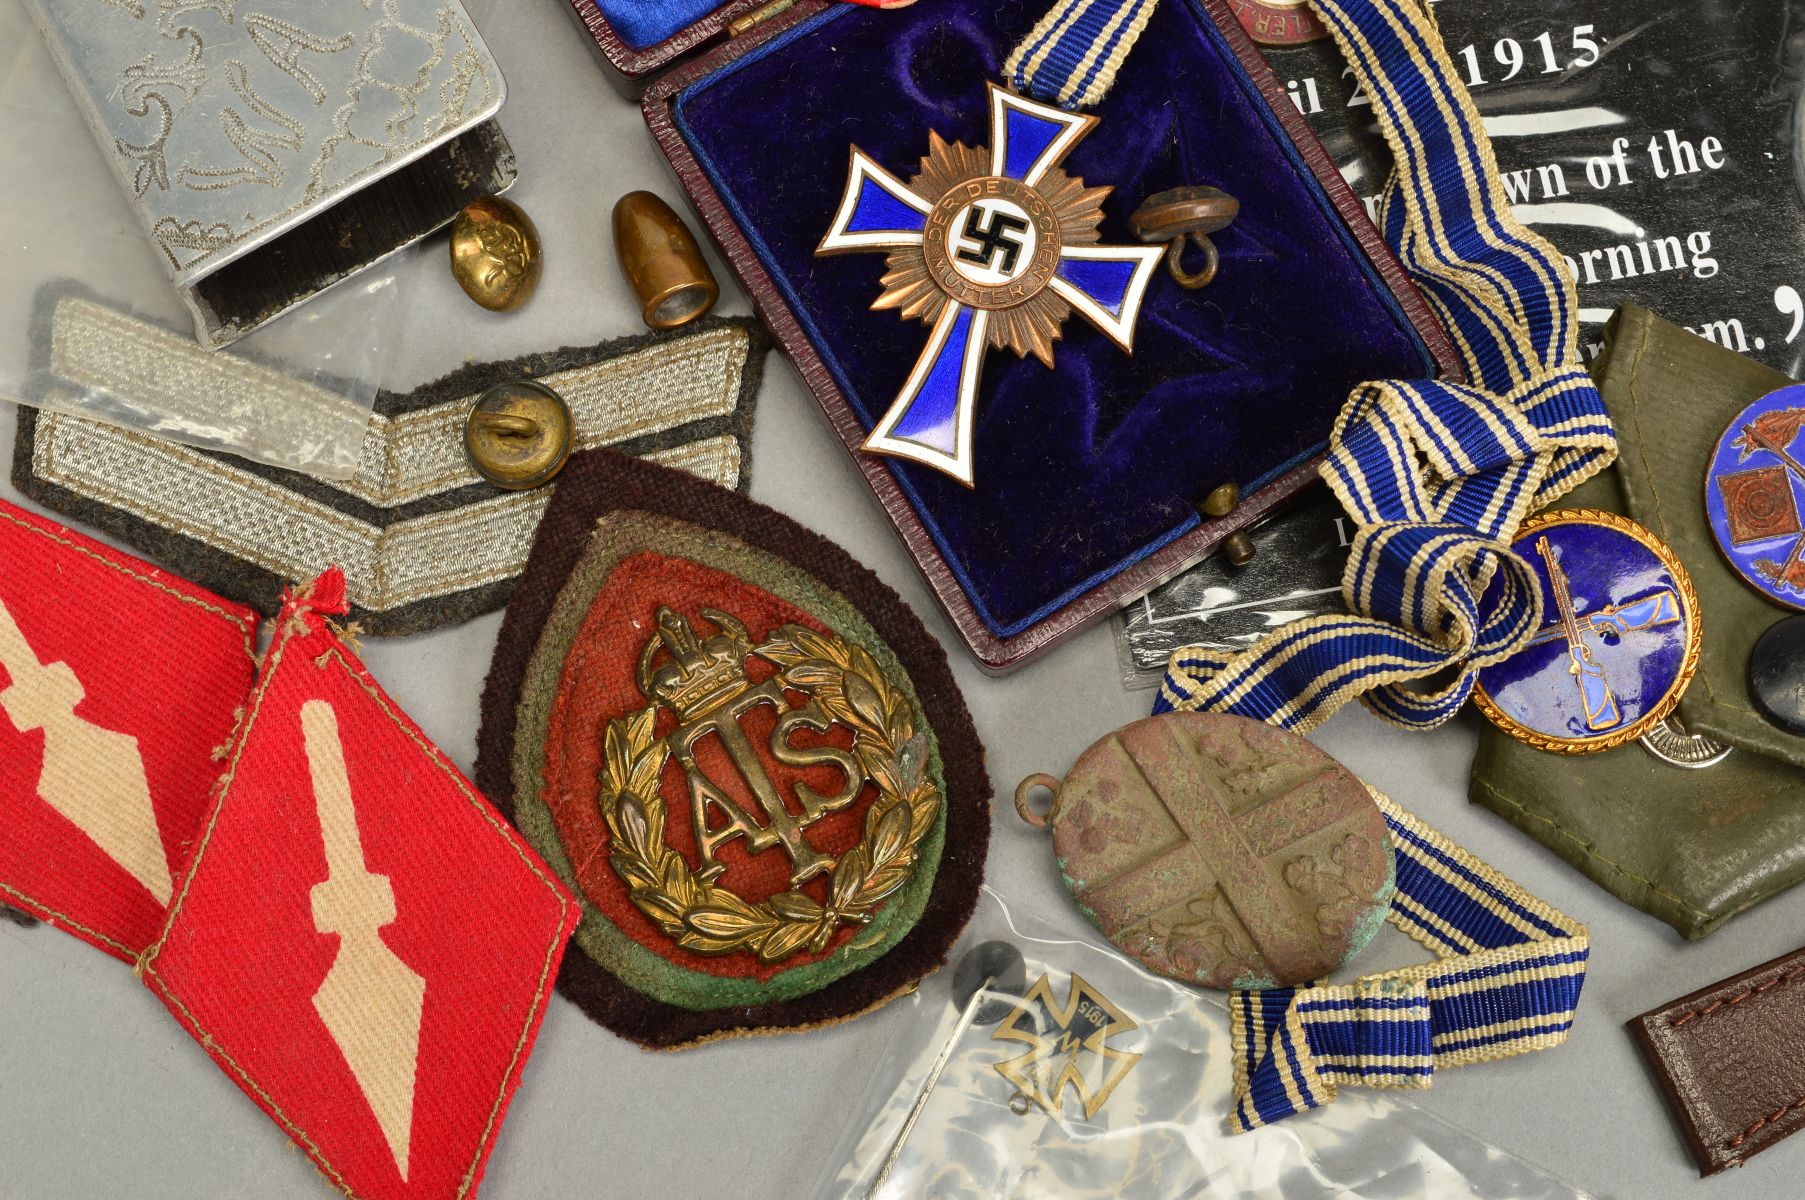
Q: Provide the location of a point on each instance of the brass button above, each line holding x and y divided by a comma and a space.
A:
495, 254
1187, 214
662, 262
1238, 548
518, 435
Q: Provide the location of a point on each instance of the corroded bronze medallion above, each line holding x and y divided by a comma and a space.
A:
742, 753
1220, 851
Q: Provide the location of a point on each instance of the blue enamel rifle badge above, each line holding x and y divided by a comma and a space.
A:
988, 248
1620, 643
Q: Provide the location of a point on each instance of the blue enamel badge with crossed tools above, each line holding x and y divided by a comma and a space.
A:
989, 247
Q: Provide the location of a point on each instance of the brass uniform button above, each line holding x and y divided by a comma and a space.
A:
518, 435
495, 254
1239, 548
1187, 214
662, 262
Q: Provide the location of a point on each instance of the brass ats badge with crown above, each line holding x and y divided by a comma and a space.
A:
706, 683
755, 770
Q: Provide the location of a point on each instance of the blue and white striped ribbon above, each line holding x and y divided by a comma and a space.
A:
1507, 983
1072, 55
1436, 476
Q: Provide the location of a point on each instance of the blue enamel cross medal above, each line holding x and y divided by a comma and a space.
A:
989, 247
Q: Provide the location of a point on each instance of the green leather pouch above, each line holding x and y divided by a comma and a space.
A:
1693, 847
1671, 395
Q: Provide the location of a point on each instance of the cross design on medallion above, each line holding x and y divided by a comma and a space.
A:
989, 247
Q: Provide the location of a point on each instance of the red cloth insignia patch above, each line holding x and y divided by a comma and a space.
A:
600, 684
361, 941
117, 685
744, 753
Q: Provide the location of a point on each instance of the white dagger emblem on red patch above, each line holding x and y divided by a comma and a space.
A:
92, 776
370, 1001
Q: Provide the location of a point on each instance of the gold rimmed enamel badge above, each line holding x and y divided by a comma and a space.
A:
1620, 637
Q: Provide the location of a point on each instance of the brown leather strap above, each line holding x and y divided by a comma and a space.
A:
1731, 1059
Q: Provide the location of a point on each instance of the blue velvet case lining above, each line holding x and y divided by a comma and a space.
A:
643, 23
1084, 469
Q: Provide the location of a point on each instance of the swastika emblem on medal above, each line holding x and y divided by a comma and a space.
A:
1000, 235
988, 247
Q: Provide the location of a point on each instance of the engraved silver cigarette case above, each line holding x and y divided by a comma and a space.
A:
273, 148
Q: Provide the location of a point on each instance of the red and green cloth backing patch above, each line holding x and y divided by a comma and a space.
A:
621, 539
360, 941
118, 686
599, 684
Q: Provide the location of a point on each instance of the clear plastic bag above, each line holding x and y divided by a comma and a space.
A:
90, 323
1145, 1119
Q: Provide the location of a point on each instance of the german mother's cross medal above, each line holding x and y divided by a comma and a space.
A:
745, 757
988, 248
1219, 850
1619, 642
1752, 495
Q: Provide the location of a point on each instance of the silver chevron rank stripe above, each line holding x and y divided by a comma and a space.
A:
370, 1001
93, 776
422, 539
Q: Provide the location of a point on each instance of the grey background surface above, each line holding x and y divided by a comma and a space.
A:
103, 1095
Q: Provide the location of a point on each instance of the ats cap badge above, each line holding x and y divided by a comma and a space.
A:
1752, 494
708, 685
1619, 643
988, 248
744, 755
1219, 850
